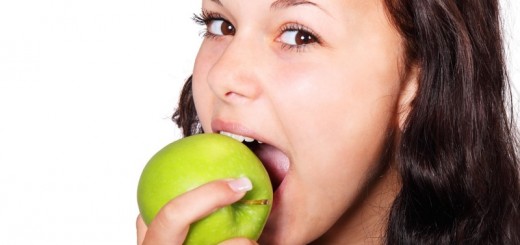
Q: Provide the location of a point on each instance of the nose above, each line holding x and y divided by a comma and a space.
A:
235, 76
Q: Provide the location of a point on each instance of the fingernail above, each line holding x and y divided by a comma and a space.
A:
242, 184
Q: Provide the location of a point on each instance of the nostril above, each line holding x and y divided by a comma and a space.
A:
233, 95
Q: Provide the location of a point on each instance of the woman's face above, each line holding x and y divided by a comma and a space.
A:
318, 82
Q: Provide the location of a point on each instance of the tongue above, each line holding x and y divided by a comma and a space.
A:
275, 162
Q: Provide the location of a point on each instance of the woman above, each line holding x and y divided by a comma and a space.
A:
381, 121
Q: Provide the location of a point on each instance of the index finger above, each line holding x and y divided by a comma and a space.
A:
171, 224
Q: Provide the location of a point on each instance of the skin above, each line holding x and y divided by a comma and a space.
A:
328, 106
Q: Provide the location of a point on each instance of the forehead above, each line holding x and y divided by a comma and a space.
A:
341, 6
278, 3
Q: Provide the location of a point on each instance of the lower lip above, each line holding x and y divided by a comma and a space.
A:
278, 193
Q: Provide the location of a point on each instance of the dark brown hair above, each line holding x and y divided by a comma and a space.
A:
185, 116
457, 155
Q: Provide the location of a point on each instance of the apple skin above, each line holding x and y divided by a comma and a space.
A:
195, 160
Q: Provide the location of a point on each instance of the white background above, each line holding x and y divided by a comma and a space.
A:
87, 89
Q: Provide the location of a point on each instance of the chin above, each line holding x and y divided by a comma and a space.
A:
281, 228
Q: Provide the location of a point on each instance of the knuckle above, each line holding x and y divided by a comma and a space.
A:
170, 214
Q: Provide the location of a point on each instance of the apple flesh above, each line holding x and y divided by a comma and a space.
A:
193, 161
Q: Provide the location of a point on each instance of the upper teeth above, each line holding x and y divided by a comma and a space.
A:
239, 138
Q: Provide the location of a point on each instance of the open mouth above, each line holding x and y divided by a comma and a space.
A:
274, 160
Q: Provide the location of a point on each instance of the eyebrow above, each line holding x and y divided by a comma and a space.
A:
279, 4
217, 2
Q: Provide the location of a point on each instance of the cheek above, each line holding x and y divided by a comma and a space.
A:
206, 58
202, 95
340, 109
337, 95
338, 124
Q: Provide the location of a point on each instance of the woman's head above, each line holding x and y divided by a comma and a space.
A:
320, 83
337, 90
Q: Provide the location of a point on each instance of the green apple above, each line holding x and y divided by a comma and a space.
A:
199, 159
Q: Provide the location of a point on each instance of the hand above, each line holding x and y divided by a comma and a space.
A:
172, 222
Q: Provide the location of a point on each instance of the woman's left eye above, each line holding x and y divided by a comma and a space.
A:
297, 37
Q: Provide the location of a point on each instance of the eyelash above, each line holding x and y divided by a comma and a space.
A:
206, 17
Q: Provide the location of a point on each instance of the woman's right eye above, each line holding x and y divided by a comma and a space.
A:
220, 27
216, 25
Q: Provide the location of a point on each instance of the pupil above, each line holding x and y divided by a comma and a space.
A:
303, 38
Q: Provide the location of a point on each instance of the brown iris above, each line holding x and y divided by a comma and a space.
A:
226, 28
303, 38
